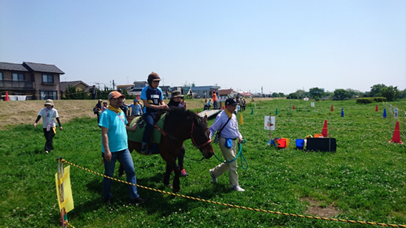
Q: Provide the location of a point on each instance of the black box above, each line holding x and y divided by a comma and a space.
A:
321, 144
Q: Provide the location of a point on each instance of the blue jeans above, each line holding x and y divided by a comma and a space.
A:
125, 159
149, 127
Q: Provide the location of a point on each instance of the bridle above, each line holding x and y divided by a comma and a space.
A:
194, 141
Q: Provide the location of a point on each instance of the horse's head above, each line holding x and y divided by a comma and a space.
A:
201, 136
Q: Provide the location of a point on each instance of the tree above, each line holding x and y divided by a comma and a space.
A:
376, 90
316, 93
341, 94
402, 94
281, 94
292, 96
391, 93
275, 94
300, 93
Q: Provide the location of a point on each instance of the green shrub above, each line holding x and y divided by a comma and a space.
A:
365, 100
379, 99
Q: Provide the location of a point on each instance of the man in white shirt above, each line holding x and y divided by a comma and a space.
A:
227, 123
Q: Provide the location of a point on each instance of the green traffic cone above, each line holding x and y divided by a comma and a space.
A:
252, 110
276, 112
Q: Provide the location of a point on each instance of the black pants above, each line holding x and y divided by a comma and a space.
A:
49, 135
181, 157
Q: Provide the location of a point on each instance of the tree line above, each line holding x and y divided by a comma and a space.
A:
391, 93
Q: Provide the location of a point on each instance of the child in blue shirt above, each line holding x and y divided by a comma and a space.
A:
135, 108
152, 99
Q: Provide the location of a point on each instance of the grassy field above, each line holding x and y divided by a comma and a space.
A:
364, 180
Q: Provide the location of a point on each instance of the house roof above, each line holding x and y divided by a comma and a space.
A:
64, 85
40, 67
12, 66
224, 92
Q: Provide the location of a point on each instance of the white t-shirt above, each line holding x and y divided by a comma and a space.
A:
48, 117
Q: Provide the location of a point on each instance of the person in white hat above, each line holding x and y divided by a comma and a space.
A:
49, 115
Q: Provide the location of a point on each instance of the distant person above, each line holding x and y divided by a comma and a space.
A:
227, 123
105, 106
153, 100
93, 91
135, 108
214, 98
183, 103
114, 147
98, 109
124, 106
207, 104
48, 115
176, 102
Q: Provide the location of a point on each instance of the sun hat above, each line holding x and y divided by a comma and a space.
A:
100, 100
231, 101
49, 102
115, 94
176, 93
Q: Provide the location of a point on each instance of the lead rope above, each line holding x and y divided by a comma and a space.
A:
240, 152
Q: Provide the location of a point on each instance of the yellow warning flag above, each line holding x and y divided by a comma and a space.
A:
68, 201
241, 120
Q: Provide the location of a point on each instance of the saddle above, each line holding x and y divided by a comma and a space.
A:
136, 136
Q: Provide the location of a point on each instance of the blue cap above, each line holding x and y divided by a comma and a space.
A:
135, 100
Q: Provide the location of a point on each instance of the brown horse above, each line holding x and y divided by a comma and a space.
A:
180, 125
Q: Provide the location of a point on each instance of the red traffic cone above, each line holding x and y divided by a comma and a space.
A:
138, 97
7, 98
376, 108
224, 107
396, 134
324, 132
332, 109
197, 112
293, 107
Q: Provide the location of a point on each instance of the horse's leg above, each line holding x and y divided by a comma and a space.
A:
168, 171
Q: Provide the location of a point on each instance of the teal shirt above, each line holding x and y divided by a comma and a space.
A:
117, 133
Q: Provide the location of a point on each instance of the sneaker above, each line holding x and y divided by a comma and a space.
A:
183, 173
47, 152
213, 178
139, 200
238, 188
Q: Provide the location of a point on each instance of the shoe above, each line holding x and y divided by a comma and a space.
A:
238, 188
183, 173
213, 178
47, 152
139, 200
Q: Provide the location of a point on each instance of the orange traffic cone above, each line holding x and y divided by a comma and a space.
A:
376, 108
7, 98
396, 135
332, 109
197, 112
324, 132
293, 107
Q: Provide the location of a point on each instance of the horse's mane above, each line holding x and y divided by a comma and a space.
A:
180, 114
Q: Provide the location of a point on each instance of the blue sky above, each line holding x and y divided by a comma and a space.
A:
281, 46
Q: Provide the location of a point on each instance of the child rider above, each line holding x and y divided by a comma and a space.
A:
152, 98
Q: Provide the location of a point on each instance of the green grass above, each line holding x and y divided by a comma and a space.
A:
364, 180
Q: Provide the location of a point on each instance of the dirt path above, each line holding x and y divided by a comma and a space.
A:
25, 112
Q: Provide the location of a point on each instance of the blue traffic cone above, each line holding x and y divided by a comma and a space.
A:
384, 113
342, 112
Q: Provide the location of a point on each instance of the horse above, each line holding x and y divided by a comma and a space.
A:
180, 125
